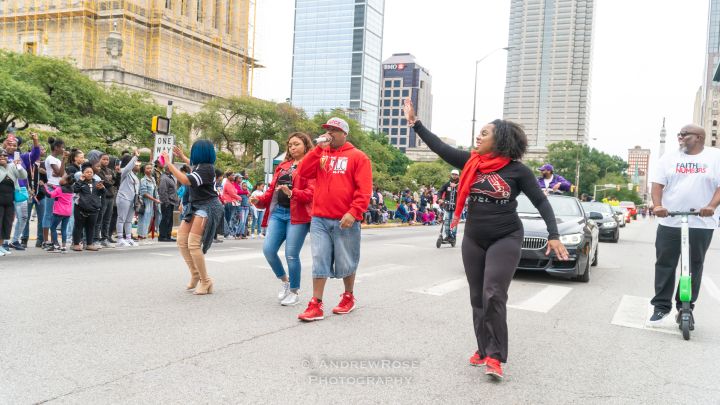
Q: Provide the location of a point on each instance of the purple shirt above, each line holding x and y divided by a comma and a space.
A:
28, 159
564, 184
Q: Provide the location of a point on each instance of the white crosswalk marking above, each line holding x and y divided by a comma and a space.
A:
381, 270
544, 300
711, 287
634, 312
162, 254
444, 288
235, 258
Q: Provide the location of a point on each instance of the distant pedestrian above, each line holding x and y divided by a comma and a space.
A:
126, 199
10, 173
169, 200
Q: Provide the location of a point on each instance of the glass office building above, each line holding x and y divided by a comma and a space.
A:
547, 87
336, 57
709, 97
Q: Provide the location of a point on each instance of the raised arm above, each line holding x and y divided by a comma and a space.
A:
309, 165
528, 185
453, 156
128, 167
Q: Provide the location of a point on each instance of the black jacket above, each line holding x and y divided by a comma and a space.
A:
89, 197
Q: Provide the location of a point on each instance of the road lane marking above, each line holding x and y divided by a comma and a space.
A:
711, 287
230, 250
162, 254
544, 300
634, 312
380, 270
444, 288
235, 258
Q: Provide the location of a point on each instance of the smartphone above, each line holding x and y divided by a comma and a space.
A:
161, 160
16, 156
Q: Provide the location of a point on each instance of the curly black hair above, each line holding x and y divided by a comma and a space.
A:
510, 139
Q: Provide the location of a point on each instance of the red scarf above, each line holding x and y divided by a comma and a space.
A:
486, 163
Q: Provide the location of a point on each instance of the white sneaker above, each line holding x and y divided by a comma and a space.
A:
6, 252
121, 243
262, 236
284, 290
291, 299
252, 236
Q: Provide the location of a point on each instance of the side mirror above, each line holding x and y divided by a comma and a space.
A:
595, 216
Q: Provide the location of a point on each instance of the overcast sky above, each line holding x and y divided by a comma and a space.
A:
647, 62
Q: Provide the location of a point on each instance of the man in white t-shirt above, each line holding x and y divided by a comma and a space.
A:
685, 179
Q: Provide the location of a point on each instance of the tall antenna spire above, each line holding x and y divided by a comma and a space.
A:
663, 134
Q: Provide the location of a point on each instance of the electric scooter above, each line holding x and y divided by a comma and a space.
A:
685, 319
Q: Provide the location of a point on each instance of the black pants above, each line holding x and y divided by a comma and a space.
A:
7, 216
84, 222
667, 253
102, 227
489, 268
166, 222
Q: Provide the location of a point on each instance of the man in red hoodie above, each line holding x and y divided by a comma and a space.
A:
343, 187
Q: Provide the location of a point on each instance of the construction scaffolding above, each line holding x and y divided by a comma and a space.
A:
182, 46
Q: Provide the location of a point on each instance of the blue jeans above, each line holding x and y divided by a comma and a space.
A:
63, 222
258, 222
71, 222
230, 213
241, 220
447, 218
145, 219
281, 230
40, 209
335, 251
21, 219
48, 204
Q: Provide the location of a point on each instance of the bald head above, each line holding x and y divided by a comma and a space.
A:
694, 129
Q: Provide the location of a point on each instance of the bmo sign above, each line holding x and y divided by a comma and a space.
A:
398, 66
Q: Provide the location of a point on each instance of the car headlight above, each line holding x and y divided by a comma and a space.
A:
609, 224
571, 239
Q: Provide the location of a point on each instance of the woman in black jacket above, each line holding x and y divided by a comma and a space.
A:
90, 195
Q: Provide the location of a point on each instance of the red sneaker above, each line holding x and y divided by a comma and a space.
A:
347, 304
493, 368
314, 311
477, 360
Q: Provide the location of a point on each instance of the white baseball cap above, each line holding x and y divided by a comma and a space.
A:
337, 123
455, 171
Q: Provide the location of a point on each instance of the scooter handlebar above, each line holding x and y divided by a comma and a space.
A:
681, 213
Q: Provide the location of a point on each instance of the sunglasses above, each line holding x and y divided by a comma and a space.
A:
684, 134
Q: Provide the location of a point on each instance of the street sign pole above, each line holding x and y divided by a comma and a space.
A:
270, 150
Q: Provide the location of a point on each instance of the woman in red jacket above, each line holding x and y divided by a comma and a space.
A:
289, 206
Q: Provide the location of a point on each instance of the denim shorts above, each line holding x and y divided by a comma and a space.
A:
335, 251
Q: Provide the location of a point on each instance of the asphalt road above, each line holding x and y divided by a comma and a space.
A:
118, 327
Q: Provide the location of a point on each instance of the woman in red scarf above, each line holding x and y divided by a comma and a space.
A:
491, 179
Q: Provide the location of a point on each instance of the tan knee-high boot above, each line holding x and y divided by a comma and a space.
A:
182, 242
195, 247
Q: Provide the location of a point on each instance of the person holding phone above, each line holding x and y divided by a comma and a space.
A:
27, 159
343, 184
125, 200
288, 201
492, 177
203, 213
10, 173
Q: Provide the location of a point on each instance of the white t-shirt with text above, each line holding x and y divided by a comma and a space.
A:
690, 182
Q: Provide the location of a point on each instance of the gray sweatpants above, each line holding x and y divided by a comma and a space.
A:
125, 213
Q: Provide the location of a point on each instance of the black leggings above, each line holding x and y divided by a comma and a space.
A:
489, 268
7, 216
84, 222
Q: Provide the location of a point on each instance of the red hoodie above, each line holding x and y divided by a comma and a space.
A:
343, 181
301, 201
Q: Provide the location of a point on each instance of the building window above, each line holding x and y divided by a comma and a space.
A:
403, 122
403, 131
396, 93
386, 113
199, 13
393, 141
168, 4
385, 131
393, 131
386, 121
403, 141
30, 47
395, 113
397, 83
386, 103
388, 83
394, 121
714, 123
405, 93
396, 102
388, 93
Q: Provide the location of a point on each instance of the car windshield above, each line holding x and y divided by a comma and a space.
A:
562, 206
597, 207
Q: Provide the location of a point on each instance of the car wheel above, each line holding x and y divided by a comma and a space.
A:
585, 277
595, 257
617, 237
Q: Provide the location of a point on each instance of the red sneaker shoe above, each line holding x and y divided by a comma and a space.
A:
346, 305
493, 368
314, 311
477, 360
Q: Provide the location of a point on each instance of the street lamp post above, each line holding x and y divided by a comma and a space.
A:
472, 135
